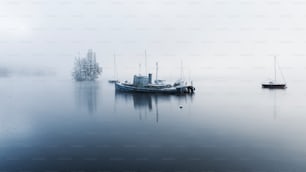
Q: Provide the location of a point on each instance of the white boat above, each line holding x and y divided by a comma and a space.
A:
275, 84
144, 84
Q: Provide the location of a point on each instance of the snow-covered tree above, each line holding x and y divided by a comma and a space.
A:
87, 68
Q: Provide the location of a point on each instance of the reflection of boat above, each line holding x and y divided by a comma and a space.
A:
144, 84
139, 100
274, 84
150, 101
146, 101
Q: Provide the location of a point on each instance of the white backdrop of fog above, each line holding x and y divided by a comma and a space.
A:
210, 36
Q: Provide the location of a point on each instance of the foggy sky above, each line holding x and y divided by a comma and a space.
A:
217, 34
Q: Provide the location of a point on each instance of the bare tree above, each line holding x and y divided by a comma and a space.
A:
87, 68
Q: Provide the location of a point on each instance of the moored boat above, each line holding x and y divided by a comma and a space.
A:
275, 84
113, 81
144, 84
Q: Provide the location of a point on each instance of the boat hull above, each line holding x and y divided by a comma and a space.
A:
113, 81
274, 86
170, 90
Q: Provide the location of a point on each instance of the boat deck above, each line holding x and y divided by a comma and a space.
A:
188, 89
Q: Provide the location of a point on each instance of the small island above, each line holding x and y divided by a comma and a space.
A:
87, 68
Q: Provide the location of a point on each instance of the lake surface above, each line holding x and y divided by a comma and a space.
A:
52, 124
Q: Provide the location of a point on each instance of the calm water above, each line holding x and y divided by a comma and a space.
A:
49, 124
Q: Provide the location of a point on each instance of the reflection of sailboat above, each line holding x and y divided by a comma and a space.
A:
274, 84
144, 102
115, 79
86, 95
274, 106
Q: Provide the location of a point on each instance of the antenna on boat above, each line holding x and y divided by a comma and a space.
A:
156, 71
146, 62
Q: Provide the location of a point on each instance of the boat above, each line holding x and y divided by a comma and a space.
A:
275, 84
144, 84
113, 81
115, 72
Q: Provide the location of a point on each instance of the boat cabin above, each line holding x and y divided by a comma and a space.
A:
141, 81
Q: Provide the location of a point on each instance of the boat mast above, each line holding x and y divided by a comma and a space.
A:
281, 72
181, 69
115, 67
139, 66
156, 71
275, 68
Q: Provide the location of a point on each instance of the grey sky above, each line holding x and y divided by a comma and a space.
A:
205, 33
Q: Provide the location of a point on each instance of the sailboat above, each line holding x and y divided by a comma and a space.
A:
115, 72
274, 84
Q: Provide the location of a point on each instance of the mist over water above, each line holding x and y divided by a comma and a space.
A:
49, 122
222, 34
